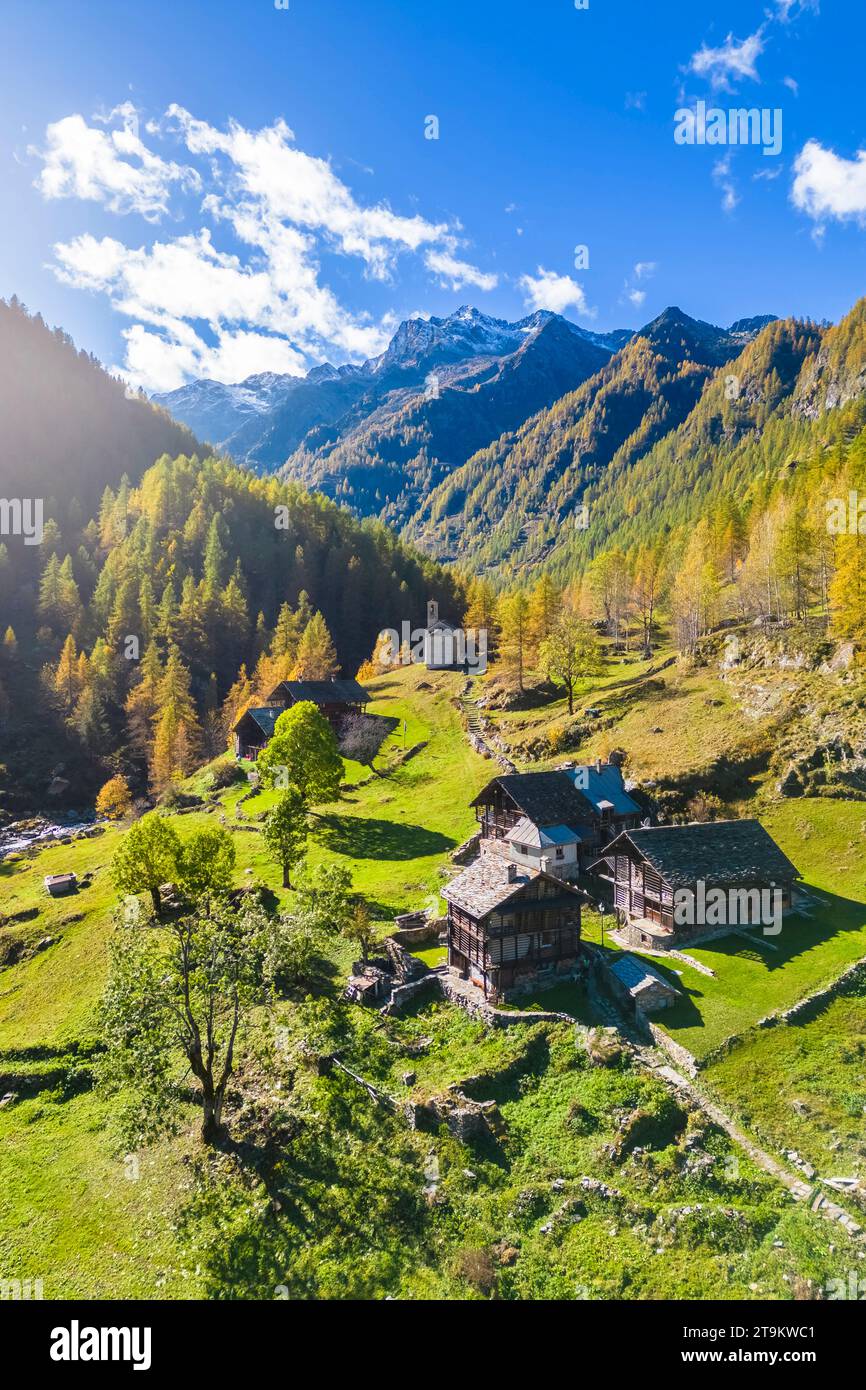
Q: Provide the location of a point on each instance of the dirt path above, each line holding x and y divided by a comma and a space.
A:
659, 1064
800, 1190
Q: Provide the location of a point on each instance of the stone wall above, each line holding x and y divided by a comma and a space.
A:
675, 1050
427, 933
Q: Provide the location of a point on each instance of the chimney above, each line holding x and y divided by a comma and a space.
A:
598, 764
545, 864
432, 611
512, 873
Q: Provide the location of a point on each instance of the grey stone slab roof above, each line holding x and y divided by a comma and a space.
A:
264, 716
348, 692
525, 833
637, 975
546, 798
722, 852
484, 885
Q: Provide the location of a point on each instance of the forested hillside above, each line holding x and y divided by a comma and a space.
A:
166, 591
651, 447
68, 428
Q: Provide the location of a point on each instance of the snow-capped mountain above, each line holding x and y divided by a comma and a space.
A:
261, 420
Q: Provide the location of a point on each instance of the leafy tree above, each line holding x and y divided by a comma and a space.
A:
570, 653
285, 832
359, 930
326, 896
146, 857
175, 1007
114, 799
303, 754
206, 862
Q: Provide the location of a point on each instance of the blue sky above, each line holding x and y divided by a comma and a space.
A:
215, 188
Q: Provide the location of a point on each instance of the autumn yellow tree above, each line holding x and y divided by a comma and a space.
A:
114, 799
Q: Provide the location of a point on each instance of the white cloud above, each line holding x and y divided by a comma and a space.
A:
644, 269
792, 84
456, 273
635, 101
547, 290
281, 182
722, 176
162, 363
637, 297
828, 186
199, 309
734, 59
111, 167
786, 9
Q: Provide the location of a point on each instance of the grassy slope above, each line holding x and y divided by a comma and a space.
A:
70, 1214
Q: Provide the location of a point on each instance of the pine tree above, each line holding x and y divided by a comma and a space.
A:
67, 676
513, 617
545, 603
316, 658
142, 703
177, 736
240, 697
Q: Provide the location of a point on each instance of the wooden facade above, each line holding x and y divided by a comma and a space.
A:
334, 699
532, 931
575, 798
645, 870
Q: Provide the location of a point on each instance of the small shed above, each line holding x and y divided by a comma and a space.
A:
368, 986
647, 989
58, 884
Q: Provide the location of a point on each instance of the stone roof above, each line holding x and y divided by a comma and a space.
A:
638, 976
564, 797
485, 885
545, 798
720, 852
526, 833
265, 716
604, 788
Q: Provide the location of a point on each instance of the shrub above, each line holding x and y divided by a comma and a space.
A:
478, 1268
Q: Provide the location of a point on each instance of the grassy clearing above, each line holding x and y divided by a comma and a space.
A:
354, 1220
84, 1219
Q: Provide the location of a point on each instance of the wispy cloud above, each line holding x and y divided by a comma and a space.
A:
243, 290
632, 292
731, 62
723, 177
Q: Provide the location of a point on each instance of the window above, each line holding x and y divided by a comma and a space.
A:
560, 852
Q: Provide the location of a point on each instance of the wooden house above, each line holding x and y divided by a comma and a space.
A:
334, 698
511, 928
662, 880
255, 729
565, 816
